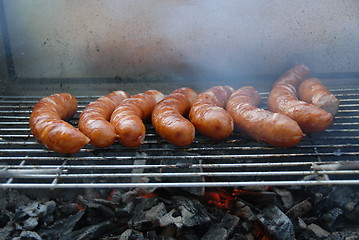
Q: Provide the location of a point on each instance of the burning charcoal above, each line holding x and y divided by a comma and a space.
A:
286, 197
221, 230
276, 223
300, 209
147, 214
62, 227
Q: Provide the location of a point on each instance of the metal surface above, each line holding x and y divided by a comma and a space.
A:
329, 157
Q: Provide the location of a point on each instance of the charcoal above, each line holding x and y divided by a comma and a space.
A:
299, 209
286, 197
97, 207
130, 234
152, 235
301, 225
168, 232
6, 231
147, 214
30, 223
62, 227
28, 235
329, 218
276, 223
4, 219
67, 209
33, 210
343, 196
222, 230
124, 211
319, 232
259, 199
244, 211
353, 214
192, 211
241, 236
92, 232
187, 213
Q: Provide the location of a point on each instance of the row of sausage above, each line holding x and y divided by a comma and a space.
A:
214, 113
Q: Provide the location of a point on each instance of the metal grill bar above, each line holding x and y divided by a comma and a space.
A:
330, 157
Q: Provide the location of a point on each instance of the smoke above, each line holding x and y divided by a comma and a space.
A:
179, 39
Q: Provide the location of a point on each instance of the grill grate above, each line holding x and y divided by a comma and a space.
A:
238, 161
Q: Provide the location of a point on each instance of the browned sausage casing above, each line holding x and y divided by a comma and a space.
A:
128, 117
283, 99
94, 119
48, 126
168, 117
313, 91
208, 114
264, 126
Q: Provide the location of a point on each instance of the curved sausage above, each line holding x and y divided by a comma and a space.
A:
48, 126
208, 114
168, 120
94, 119
128, 117
283, 99
313, 91
264, 126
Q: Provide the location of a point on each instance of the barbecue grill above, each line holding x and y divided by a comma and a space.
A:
326, 158
238, 161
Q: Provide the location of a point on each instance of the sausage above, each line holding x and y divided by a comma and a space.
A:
208, 114
129, 115
264, 126
313, 91
168, 117
94, 119
48, 126
283, 99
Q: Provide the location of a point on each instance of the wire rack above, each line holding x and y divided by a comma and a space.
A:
327, 158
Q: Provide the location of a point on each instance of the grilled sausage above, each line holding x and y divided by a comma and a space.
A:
283, 99
313, 91
208, 114
94, 119
48, 126
168, 117
264, 126
128, 117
